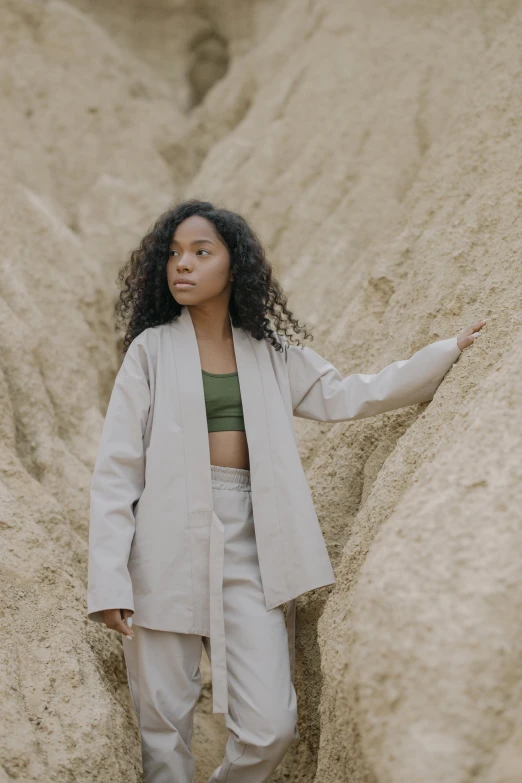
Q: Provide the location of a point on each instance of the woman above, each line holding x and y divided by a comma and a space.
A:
202, 524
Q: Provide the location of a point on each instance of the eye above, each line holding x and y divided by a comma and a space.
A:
202, 249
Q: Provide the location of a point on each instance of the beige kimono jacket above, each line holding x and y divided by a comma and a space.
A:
155, 543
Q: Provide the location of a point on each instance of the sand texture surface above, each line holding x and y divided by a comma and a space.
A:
377, 149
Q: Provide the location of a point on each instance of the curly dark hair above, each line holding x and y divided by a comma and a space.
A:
145, 299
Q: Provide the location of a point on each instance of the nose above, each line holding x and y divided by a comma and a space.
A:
183, 264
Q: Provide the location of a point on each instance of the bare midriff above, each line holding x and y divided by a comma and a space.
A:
229, 448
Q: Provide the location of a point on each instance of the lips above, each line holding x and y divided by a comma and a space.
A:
183, 282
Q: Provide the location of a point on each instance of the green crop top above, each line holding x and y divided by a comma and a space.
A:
223, 401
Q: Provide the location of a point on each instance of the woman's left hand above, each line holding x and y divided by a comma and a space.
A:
468, 335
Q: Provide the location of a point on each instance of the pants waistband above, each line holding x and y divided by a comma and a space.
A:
233, 478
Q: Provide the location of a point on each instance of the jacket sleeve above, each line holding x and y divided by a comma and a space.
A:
319, 391
117, 483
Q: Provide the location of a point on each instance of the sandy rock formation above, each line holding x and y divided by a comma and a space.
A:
375, 148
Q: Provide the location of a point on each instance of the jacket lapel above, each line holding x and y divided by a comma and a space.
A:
193, 419
258, 388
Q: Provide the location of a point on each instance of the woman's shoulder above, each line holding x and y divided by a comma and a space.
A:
279, 353
281, 339
149, 339
143, 350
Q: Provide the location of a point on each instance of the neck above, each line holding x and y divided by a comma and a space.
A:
210, 322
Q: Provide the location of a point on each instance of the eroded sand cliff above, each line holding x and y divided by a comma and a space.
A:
376, 149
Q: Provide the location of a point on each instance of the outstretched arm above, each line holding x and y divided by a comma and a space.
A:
320, 392
117, 483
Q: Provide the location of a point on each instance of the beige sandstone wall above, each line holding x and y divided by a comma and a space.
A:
376, 148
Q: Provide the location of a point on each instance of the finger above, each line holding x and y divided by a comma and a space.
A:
471, 339
127, 617
469, 330
122, 628
127, 621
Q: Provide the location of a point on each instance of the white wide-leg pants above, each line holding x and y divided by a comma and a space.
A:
164, 675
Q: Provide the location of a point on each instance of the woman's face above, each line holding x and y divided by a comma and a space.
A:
198, 254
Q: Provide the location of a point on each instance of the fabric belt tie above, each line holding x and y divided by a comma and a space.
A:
218, 648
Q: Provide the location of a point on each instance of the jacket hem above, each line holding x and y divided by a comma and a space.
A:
173, 627
273, 604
